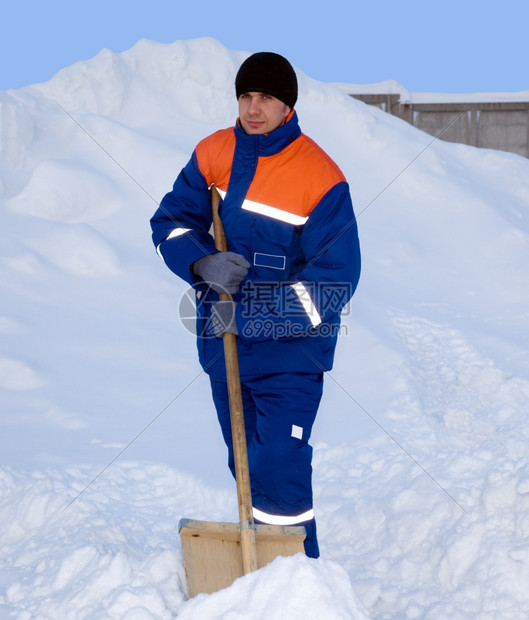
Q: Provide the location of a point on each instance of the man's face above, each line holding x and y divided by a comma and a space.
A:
261, 113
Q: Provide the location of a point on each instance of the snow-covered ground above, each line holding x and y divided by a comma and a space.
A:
392, 87
421, 444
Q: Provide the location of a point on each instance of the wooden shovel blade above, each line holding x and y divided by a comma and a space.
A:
212, 551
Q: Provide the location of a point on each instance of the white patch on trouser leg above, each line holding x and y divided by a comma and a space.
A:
297, 432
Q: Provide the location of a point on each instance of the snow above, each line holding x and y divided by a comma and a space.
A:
108, 433
392, 87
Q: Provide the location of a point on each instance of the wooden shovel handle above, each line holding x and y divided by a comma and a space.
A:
240, 451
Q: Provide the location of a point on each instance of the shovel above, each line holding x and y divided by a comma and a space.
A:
215, 554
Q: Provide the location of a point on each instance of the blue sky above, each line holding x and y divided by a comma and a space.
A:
450, 46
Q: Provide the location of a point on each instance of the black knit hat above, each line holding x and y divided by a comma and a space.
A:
266, 72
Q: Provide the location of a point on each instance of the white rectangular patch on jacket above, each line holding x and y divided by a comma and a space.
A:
297, 432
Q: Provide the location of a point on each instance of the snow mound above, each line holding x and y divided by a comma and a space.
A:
295, 587
66, 192
94, 563
17, 375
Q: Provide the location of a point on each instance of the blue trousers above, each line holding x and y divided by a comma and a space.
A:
279, 411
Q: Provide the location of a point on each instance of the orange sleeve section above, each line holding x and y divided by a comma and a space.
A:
296, 179
214, 157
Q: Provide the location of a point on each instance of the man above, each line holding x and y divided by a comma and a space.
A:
293, 264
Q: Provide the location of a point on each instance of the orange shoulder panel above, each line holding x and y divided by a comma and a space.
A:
215, 156
296, 179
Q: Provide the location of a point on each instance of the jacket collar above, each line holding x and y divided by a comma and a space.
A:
271, 143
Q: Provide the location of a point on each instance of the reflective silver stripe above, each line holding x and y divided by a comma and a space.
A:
280, 520
307, 303
268, 211
176, 232
273, 212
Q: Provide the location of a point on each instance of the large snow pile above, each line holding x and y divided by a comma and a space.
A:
421, 445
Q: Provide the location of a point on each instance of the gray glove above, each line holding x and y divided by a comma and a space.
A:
223, 318
223, 271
